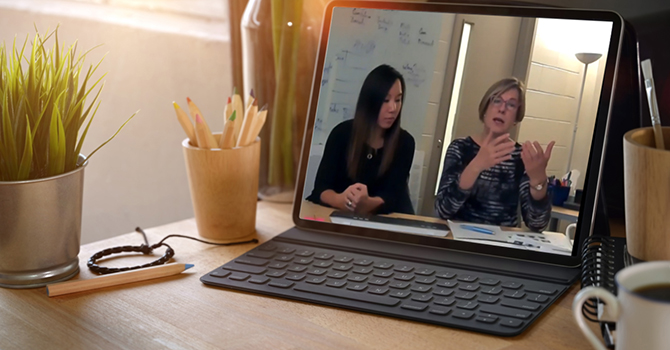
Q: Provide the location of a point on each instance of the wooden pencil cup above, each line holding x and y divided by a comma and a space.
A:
647, 195
224, 189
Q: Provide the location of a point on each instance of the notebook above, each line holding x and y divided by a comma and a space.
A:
401, 259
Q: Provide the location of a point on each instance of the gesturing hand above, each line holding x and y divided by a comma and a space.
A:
354, 194
535, 160
493, 151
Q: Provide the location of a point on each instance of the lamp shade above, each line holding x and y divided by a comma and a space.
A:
588, 58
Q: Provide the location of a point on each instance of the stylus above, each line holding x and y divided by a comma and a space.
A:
477, 229
653, 105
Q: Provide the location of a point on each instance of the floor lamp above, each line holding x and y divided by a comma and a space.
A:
586, 59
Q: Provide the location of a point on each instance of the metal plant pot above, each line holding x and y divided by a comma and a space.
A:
40, 229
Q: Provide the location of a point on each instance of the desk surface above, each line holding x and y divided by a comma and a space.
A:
179, 312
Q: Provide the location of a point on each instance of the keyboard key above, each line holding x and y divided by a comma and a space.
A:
297, 268
256, 270
445, 274
517, 294
259, 279
315, 280
507, 322
323, 256
524, 305
538, 298
491, 290
449, 284
383, 273
220, 274
281, 284
357, 278
486, 319
239, 277
363, 262
303, 261
278, 265
378, 290
468, 305
268, 247
275, 274
505, 311
444, 301
323, 264
437, 311
465, 295
425, 280
462, 314
286, 250
424, 298
443, 292
404, 268
317, 272
424, 272
251, 261
295, 277
404, 276
304, 253
511, 285
467, 278
469, 287
489, 281
345, 294
383, 265
284, 258
342, 267
399, 294
400, 285
343, 258
543, 290
378, 281
336, 284
362, 270
414, 307
337, 274
488, 299
421, 289
358, 287
261, 254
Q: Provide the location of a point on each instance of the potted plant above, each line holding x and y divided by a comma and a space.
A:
44, 119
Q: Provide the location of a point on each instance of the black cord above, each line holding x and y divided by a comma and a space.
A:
146, 250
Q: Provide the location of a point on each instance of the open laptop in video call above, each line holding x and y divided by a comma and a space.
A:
425, 185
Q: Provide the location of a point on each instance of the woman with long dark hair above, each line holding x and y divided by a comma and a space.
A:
366, 161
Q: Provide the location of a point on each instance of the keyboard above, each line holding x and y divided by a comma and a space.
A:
390, 223
441, 295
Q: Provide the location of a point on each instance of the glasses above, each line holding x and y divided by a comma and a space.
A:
510, 104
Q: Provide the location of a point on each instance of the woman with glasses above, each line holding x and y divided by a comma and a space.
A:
486, 176
366, 161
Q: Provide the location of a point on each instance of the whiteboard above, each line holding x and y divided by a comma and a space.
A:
362, 39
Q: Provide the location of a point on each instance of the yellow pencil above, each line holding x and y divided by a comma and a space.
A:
203, 134
256, 127
227, 141
116, 279
185, 123
249, 117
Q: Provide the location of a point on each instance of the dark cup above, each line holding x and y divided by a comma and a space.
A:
559, 194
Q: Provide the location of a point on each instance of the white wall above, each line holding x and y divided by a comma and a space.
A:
152, 59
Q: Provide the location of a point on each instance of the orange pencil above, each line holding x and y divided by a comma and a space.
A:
227, 141
249, 117
203, 134
185, 123
192, 108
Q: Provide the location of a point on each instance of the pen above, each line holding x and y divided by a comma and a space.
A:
653, 105
477, 229
116, 279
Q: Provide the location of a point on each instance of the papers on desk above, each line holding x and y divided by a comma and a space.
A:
547, 241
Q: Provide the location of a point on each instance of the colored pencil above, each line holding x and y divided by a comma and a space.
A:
257, 125
227, 141
203, 134
185, 123
249, 117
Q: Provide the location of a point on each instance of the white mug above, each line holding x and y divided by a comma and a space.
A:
641, 322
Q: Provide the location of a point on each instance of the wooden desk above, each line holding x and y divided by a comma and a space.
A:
179, 312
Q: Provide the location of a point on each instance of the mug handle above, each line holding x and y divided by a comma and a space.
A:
570, 230
611, 303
